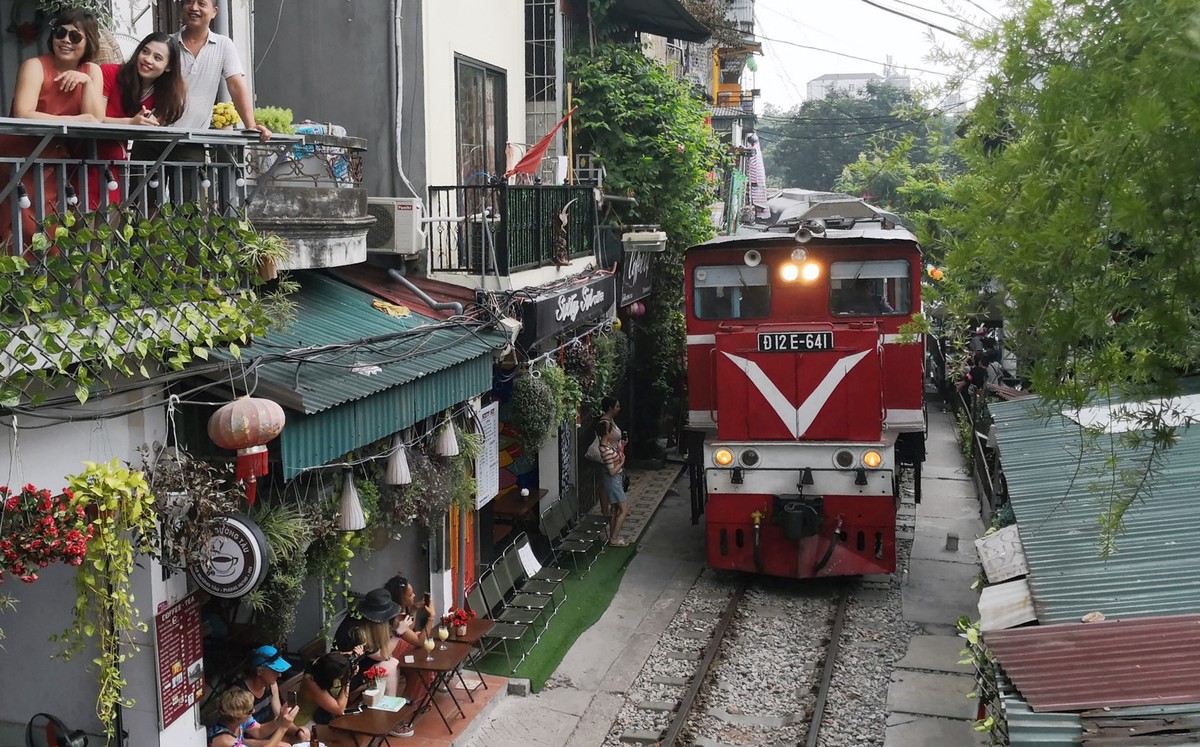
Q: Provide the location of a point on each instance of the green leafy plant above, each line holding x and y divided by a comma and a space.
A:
650, 132
275, 119
286, 529
463, 486
123, 527
108, 293
534, 411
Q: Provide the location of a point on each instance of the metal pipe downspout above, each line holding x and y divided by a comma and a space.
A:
454, 306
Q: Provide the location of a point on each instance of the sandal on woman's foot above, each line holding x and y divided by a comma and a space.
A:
619, 542
403, 731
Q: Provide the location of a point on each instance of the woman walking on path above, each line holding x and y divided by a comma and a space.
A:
613, 457
609, 407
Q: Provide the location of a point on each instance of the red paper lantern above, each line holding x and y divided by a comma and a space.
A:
247, 424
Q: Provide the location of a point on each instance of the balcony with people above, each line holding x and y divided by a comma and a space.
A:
125, 219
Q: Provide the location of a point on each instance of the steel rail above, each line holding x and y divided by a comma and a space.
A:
835, 637
710, 652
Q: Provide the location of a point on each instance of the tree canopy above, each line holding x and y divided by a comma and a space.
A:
810, 145
1079, 202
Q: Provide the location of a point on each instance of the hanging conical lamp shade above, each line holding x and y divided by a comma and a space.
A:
397, 472
351, 518
447, 442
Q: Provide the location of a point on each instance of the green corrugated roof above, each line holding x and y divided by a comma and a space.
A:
351, 395
1156, 569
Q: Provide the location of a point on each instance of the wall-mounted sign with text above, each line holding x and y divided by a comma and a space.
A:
636, 281
235, 561
557, 311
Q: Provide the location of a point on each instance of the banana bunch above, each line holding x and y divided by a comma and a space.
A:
224, 115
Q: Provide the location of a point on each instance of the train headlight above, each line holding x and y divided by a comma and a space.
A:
789, 272
872, 460
723, 457
811, 271
750, 458
799, 254
843, 459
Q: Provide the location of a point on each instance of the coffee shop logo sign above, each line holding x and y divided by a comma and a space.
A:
571, 304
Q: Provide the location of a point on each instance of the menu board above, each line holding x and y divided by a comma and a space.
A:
179, 649
487, 464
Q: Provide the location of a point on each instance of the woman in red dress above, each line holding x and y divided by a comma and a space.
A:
147, 89
62, 86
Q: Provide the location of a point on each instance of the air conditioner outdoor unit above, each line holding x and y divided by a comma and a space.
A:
397, 228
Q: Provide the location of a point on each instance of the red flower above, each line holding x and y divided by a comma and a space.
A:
33, 523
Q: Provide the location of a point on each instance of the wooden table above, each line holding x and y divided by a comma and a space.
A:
371, 723
476, 630
443, 666
514, 506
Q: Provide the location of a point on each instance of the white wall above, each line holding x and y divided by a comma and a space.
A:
44, 457
490, 31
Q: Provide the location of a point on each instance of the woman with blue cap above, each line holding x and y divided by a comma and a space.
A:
262, 682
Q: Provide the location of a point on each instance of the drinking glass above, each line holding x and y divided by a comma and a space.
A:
429, 644
443, 634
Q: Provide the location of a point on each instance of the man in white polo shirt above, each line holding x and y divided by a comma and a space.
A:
208, 58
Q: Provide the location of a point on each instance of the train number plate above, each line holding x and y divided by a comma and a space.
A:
794, 342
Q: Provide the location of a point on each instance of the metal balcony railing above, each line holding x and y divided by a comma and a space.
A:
500, 229
743, 100
105, 259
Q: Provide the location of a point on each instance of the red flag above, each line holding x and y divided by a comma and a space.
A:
532, 159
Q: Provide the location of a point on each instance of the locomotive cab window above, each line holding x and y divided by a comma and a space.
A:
731, 292
873, 288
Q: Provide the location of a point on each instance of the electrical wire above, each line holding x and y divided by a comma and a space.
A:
915, 19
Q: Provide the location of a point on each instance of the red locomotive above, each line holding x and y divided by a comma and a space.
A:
805, 398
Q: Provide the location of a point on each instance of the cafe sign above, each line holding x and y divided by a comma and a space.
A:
636, 280
557, 311
235, 561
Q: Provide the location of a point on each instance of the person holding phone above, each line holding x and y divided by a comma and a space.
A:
412, 627
325, 695
262, 682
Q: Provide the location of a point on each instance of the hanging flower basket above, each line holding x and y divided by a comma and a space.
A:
37, 529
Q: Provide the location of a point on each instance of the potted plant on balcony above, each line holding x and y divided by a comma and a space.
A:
267, 250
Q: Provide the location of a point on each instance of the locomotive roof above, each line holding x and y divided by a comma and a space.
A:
860, 231
844, 220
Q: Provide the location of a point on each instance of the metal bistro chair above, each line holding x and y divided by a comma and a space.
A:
524, 583
507, 578
502, 633
543, 572
493, 595
591, 524
554, 525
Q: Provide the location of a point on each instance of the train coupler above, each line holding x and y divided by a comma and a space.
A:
798, 516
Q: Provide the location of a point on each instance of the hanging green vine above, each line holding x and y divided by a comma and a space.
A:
124, 527
111, 293
649, 130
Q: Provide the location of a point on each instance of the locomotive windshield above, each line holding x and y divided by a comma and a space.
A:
870, 288
731, 292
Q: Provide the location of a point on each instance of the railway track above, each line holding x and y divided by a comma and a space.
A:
748, 662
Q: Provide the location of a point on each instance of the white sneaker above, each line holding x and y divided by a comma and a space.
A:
403, 731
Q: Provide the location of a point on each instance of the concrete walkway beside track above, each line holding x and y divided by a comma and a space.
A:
927, 703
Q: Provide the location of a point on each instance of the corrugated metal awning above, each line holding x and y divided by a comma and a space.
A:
1156, 568
1103, 664
354, 374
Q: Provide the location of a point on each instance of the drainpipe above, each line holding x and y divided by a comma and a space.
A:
454, 306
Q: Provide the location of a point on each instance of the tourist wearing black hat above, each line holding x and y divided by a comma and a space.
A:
375, 615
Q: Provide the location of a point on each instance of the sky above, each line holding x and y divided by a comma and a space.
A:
855, 28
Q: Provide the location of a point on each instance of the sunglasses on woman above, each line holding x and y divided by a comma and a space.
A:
62, 32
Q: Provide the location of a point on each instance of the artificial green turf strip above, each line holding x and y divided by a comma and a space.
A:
587, 599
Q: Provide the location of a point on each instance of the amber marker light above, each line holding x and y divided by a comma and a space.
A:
812, 271
789, 272
872, 459
723, 457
